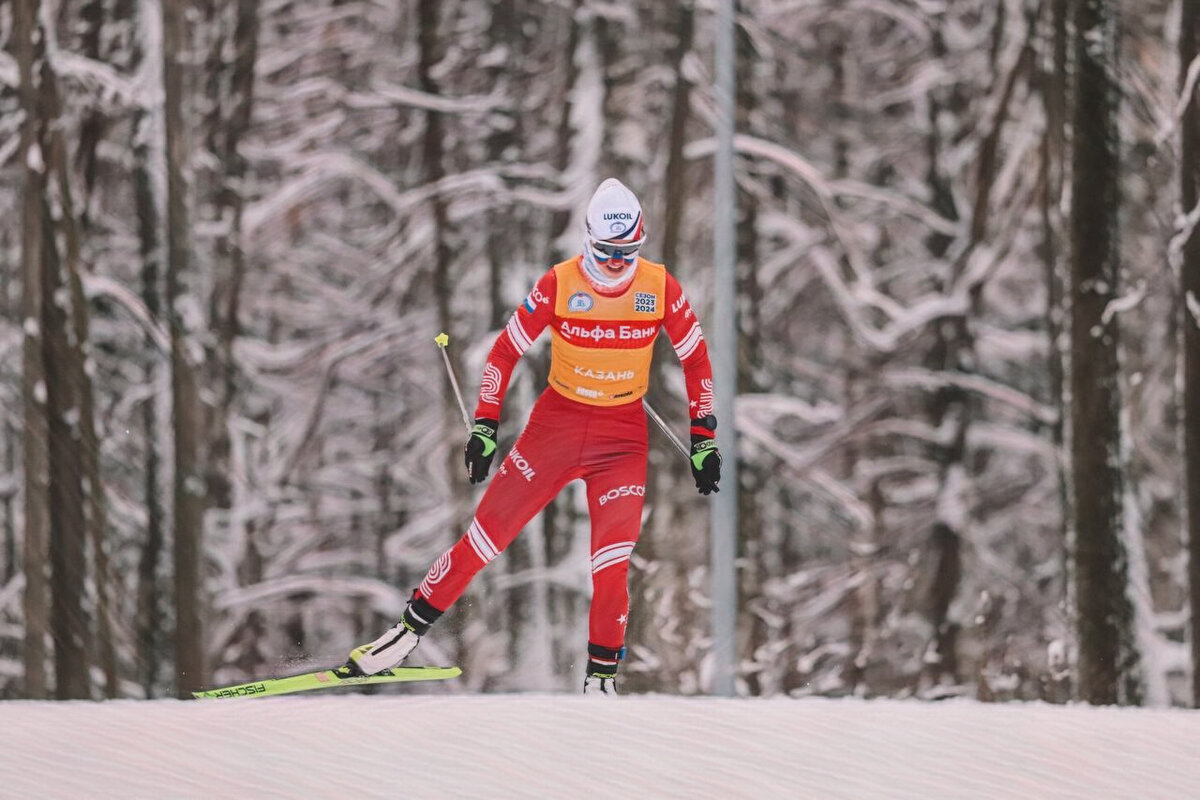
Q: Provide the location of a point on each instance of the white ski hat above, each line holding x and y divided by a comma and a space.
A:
615, 231
614, 215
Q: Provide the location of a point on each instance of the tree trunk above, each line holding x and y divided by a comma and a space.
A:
1053, 86
68, 624
148, 619
77, 342
97, 506
67, 406
63, 380
189, 489
9, 279
91, 129
948, 408
35, 544
1189, 47
676, 192
504, 245
433, 170
865, 606
432, 154
666, 468
10, 528
559, 220
231, 259
1107, 657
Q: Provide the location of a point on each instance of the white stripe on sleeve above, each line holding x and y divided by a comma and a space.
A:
688, 344
517, 335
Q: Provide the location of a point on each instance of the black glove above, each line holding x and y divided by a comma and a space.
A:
706, 458
481, 447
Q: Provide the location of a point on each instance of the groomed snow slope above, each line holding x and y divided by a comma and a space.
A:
569, 746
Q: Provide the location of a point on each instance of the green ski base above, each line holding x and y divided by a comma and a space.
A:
328, 679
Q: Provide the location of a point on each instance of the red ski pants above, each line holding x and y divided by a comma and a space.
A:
564, 440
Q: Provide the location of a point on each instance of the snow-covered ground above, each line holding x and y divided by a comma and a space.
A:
571, 746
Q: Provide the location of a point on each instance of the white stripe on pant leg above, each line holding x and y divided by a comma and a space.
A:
480, 555
613, 554
491, 546
481, 543
612, 547
597, 567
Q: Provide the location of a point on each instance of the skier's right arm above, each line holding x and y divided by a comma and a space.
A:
523, 328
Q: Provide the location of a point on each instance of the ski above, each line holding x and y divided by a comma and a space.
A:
328, 679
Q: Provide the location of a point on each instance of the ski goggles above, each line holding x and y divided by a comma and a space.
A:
622, 251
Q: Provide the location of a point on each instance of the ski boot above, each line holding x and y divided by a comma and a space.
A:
396, 643
601, 677
600, 685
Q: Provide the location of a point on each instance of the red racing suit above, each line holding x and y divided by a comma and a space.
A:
588, 424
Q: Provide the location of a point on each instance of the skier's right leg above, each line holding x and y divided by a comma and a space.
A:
542, 461
390, 649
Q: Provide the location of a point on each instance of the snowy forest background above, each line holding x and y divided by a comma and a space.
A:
232, 229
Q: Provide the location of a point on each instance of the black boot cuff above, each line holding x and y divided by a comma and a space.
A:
420, 615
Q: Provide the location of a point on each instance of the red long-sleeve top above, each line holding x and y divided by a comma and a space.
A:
602, 345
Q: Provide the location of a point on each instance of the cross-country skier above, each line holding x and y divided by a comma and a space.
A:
604, 309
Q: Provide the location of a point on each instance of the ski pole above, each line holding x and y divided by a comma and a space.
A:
442, 341
670, 434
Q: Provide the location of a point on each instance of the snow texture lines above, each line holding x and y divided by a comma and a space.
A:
525, 746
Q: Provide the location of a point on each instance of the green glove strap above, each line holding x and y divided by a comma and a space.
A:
487, 435
700, 451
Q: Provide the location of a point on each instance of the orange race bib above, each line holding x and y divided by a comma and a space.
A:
601, 347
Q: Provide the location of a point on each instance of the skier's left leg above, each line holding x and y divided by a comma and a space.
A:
615, 490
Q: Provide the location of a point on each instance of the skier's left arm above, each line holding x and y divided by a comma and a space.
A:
683, 329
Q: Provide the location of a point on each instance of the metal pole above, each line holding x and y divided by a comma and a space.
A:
683, 451
442, 342
723, 547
